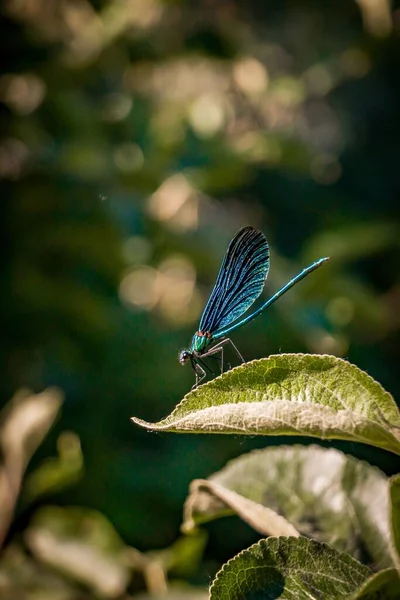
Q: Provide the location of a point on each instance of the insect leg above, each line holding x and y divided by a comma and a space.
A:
217, 349
199, 373
237, 351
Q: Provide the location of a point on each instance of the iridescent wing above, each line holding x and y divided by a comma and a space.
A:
240, 280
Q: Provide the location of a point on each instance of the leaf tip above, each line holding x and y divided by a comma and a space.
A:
141, 422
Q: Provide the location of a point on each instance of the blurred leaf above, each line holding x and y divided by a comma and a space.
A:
82, 544
183, 557
150, 568
288, 568
220, 175
353, 242
384, 585
86, 161
324, 494
26, 421
395, 516
22, 577
55, 474
178, 593
290, 394
370, 316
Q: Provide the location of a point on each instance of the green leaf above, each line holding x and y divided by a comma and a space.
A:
25, 422
22, 576
384, 585
184, 556
288, 568
290, 394
395, 517
321, 493
54, 474
209, 500
183, 592
81, 543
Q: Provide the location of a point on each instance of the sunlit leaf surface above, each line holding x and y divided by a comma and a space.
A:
323, 493
291, 394
288, 568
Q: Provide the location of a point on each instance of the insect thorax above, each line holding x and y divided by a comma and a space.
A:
201, 340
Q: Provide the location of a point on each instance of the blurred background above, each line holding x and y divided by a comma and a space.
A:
137, 136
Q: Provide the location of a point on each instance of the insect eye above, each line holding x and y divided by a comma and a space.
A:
184, 356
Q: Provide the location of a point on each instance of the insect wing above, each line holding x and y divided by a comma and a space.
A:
240, 280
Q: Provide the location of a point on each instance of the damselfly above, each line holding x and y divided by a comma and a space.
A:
239, 283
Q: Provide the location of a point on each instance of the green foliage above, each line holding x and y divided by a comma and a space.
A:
25, 422
384, 585
395, 516
323, 493
136, 138
54, 474
294, 491
285, 493
69, 546
291, 394
81, 544
280, 491
286, 568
